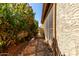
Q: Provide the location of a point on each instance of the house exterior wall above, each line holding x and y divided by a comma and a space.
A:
67, 28
48, 28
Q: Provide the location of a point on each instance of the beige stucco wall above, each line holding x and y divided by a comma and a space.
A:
67, 21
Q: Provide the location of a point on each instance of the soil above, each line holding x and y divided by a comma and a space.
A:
35, 47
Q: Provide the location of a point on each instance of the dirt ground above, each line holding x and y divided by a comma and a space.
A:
35, 47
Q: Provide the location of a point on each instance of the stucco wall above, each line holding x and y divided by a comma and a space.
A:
67, 21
